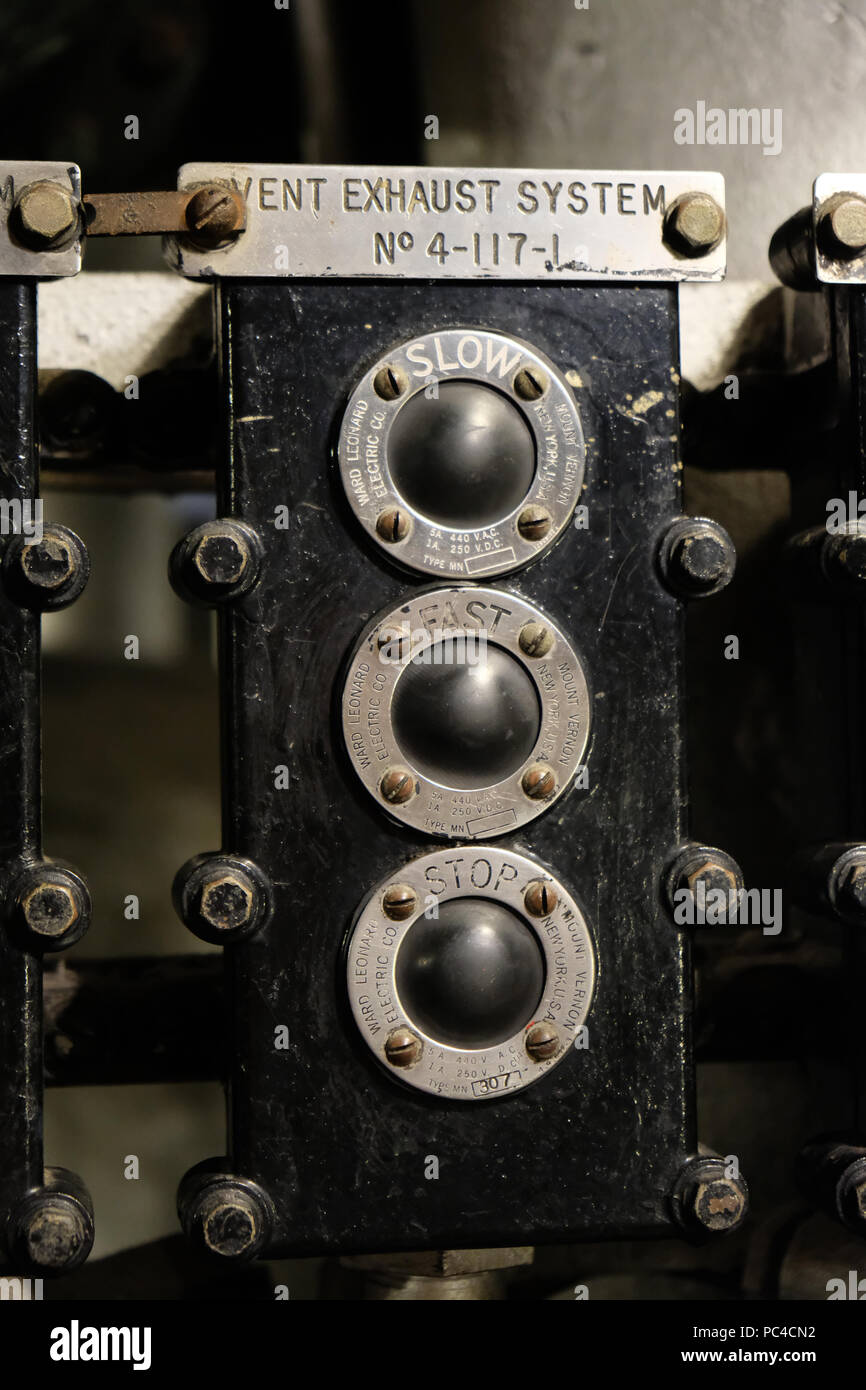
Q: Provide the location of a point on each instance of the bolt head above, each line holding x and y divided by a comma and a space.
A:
533, 523
54, 1233
542, 1042
228, 1222
695, 224
221, 558
540, 898
535, 639
403, 1048
844, 218
393, 525
227, 902
398, 786
390, 382
718, 1204
399, 902
47, 213
50, 909
530, 383
715, 877
538, 782
49, 563
702, 559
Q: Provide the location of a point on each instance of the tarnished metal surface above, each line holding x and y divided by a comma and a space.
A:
211, 212
411, 222
839, 228
19, 259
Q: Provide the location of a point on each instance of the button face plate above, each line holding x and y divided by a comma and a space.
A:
463, 874
374, 445
486, 636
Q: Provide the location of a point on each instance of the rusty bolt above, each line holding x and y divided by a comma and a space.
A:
842, 224
221, 557
403, 1048
542, 1042
227, 901
540, 898
717, 1203
390, 382
535, 639
49, 563
399, 901
534, 523
530, 383
539, 781
213, 214
714, 876
47, 215
54, 1233
50, 909
701, 560
397, 786
393, 525
228, 1222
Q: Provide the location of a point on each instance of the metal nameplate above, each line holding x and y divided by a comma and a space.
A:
18, 261
833, 269
415, 222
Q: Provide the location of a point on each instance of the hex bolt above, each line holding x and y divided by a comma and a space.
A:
530, 383
390, 382
540, 898
48, 572
403, 1048
222, 897
717, 1204
707, 1199
53, 1233
715, 876
393, 525
534, 522
221, 557
850, 889
535, 639
217, 562
397, 786
538, 782
50, 909
542, 1042
50, 905
842, 226
213, 214
399, 901
49, 563
696, 557
694, 225
227, 901
46, 216
228, 1221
